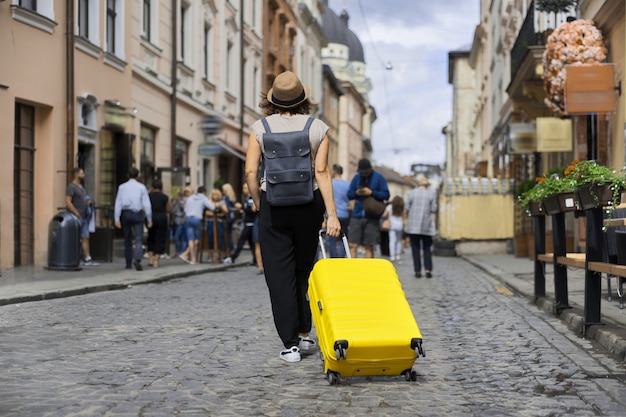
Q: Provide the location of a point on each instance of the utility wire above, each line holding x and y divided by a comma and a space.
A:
388, 111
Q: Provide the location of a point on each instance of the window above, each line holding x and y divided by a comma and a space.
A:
24, 184
29, 4
111, 23
185, 28
181, 157
147, 16
229, 67
36, 13
83, 18
148, 136
208, 52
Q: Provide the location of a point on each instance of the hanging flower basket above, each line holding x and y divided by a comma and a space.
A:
576, 42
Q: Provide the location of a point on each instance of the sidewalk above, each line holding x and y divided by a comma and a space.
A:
25, 284
34, 284
518, 274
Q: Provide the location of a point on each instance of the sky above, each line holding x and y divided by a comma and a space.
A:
413, 99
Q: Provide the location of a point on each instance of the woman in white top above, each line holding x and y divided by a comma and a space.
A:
395, 213
289, 234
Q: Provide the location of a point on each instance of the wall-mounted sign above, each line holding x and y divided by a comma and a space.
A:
589, 88
522, 138
554, 134
211, 125
209, 149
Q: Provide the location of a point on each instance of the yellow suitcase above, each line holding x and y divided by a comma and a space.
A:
364, 324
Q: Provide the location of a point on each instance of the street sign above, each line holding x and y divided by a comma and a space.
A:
554, 134
211, 125
522, 138
589, 88
209, 149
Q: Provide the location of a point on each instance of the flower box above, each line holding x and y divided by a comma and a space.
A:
568, 201
593, 195
551, 204
535, 208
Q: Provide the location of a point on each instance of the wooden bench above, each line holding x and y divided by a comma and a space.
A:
576, 260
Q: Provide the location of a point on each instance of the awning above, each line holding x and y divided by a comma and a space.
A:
235, 150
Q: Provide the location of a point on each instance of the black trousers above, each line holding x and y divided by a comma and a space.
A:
289, 240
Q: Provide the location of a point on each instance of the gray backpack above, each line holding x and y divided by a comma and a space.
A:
287, 166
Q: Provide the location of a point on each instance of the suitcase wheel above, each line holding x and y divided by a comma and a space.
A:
340, 349
332, 377
410, 375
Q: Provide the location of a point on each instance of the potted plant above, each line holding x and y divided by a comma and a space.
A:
597, 185
559, 194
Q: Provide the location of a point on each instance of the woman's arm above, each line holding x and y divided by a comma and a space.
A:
324, 182
253, 156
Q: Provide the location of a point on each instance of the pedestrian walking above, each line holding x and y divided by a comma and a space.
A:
396, 217
230, 199
365, 227
195, 206
342, 204
421, 208
249, 217
132, 210
216, 220
157, 234
79, 203
289, 233
179, 229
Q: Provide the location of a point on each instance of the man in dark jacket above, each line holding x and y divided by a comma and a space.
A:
365, 228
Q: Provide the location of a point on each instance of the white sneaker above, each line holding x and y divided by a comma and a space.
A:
306, 343
90, 262
290, 355
227, 261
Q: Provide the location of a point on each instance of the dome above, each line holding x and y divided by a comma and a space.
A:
336, 31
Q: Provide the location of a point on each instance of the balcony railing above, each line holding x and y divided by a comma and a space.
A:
532, 33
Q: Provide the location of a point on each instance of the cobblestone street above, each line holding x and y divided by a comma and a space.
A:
207, 346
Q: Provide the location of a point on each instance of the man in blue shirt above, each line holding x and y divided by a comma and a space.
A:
342, 202
365, 229
132, 208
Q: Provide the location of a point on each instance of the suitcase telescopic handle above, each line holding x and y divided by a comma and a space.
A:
344, 240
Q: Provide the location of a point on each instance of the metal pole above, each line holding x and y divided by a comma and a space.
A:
540, 249
174, 82
69, 88
560, 271
593, 281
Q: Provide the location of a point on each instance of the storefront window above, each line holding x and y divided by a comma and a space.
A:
148, 136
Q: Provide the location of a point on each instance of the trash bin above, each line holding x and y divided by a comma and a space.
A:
64, 242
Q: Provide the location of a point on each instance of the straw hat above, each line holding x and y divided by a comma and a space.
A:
422, 180
287, 91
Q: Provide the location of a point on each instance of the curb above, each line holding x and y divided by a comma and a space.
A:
94, 288
609, 335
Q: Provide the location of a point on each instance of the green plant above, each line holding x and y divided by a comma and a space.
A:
590, 172
552, 182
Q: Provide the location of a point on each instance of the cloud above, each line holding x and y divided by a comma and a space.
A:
413, 100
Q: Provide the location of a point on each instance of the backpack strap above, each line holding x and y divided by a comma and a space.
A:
266, 125
308, 124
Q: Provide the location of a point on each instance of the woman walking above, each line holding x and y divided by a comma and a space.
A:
157, 234
289, 233
421, 207
396, 214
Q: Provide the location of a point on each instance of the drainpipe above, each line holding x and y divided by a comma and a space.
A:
241, 76
69, 90
174, 77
